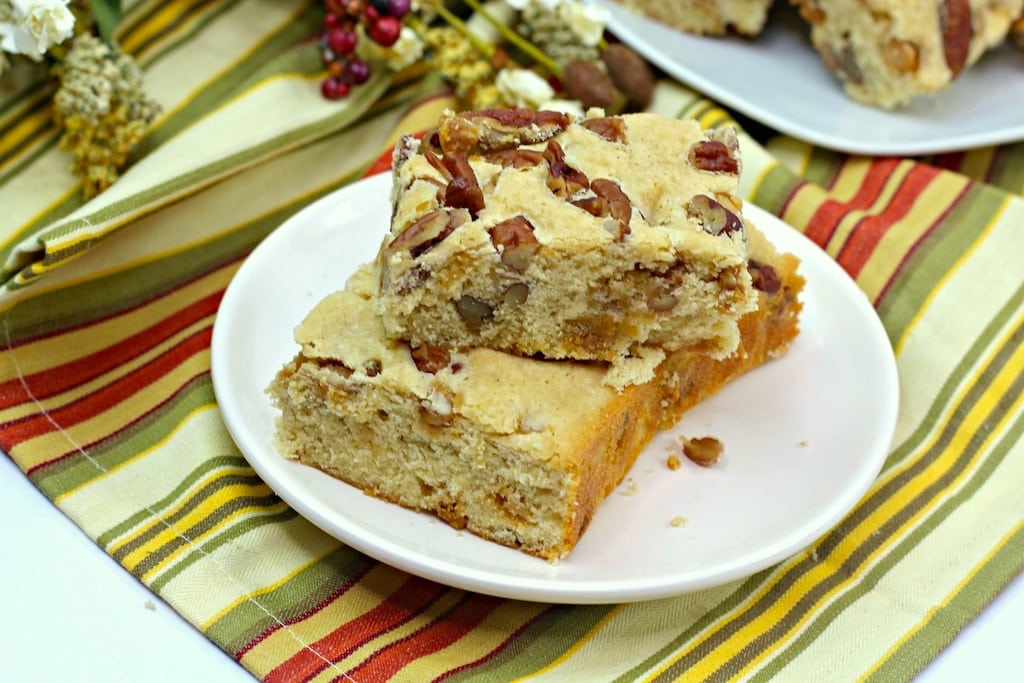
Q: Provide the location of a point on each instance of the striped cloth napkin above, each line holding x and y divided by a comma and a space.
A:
106, 404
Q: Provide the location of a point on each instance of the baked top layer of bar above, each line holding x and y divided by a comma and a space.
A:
592, 239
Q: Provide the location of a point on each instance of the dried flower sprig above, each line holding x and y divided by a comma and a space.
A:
101, 108
99, 105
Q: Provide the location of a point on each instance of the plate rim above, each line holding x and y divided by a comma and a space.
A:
519, 587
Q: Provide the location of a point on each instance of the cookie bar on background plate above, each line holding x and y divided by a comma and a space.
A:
886, 52
707, 17
608, 238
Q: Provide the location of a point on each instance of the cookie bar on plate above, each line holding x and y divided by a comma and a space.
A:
600, 239
886, 52
708, 17
487, 440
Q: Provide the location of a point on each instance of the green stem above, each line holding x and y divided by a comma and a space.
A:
459, 25
511, 36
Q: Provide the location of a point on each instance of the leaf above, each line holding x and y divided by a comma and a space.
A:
107, 14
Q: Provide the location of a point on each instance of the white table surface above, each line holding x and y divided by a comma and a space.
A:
71, 613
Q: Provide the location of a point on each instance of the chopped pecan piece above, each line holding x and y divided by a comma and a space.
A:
714, 156
516, 294
515, 158
563, 179
955, 20
463, 189
429, 358
428, 231
514, 238
494, 129
705, 450
473, 311
763, 277
713, 217
617, 203
611, 128
842, 62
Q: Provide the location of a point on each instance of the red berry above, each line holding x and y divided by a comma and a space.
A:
399, 8
333, 88
371, 14
357, 71
385, 31
335, 69
331, 20
342, 42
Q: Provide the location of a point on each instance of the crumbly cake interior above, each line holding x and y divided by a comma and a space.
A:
486, 440
609, 238
887, 52
708, 17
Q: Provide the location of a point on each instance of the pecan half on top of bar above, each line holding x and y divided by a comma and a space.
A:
488, 130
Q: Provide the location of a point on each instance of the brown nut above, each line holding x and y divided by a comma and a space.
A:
713, 217
428, 358
563, 179
463, 190
713, 156
516, 295
428, 231
611, 128
842, 62
955, 20
515, 158
473, 311
592, 86
705, 450
515, 241
494, 129
618, 205
630, 74
763, 277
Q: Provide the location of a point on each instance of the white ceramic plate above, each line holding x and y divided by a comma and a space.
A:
805, 435
779, 80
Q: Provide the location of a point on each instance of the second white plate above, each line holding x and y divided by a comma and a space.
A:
805, 435
779, 80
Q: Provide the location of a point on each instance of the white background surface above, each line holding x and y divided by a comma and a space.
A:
70, 613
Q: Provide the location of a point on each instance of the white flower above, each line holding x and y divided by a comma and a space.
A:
36, 26
523, 88
407, 50
587, 22
523, 4
571, 107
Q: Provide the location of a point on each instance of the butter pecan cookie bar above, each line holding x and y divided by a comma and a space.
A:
597, 239
886, 52
707, 17
485, 440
